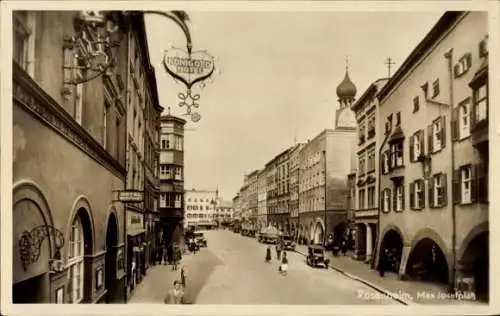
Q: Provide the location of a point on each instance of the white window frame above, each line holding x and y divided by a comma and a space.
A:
418, 191
481, 106
163, 200
436, 134
387, 200
385, 157
466, 185
437, 186
75, 261
417, 151
399, 198
464, 120
397, 160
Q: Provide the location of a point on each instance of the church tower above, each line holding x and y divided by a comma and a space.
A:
346, 91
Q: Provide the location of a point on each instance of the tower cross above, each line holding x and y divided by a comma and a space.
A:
346, 63
389, 62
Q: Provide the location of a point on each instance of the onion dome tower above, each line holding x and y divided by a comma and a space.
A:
346, 91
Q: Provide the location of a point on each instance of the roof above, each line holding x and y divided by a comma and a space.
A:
171, 118
441, 27
346, 89
369, 92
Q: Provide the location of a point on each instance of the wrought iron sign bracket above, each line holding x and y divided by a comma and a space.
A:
30, 243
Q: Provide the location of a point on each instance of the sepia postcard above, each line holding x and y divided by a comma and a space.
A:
249, 157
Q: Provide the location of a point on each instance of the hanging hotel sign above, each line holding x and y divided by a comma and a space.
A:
131, 196
190, 69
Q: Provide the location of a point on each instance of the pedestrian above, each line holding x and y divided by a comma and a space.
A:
159, 255
284, 264
382, 262
344, 247
175, 295
268, 254
278, 251
183, 277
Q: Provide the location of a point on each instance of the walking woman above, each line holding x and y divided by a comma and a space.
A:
382, 262
268, 254
284, 265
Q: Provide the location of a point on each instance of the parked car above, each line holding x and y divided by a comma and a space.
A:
288, 243
200, 239
316, 256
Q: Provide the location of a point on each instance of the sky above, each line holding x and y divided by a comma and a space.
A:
277, 81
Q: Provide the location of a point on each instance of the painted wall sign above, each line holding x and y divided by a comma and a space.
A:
189, 69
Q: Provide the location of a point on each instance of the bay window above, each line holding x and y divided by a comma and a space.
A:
481, 104
397, 154
361, 194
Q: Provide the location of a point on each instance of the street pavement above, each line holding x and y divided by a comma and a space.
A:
231, 270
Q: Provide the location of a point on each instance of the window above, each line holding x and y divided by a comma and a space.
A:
466, 182
385, 161
436, 135
163, 199
481, 104
178, 200
416, 104
388, 124
75, 261
23, 50
79, 98
361, 133
362, 199
435, 88
416, 145
362, 165
371, 126
397, 155
371, 197
386, 200
463, 65
417, 198
398, 118
437, 190
399, 198
464, 125
371, 160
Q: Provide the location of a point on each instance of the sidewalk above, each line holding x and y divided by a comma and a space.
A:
158, 281
406, 292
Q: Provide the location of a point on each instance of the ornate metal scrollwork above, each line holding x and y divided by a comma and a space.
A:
92, 45
188, 100
30, 243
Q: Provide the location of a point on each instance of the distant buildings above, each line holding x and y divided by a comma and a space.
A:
224, 212
201, 209
293, 184
433, 135
261, 199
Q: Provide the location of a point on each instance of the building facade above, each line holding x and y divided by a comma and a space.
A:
272, 192
366, 194
434, 161
201, 206
171, 175
80, 258
282, 212
224, 212
253, 198
143, 110
294, 171
261, 200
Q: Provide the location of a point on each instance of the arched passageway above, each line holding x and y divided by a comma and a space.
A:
393, 243
339, 232
475, 262
427, 262
110, 261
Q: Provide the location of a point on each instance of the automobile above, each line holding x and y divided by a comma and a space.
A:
200, 239
288, 243
316, 256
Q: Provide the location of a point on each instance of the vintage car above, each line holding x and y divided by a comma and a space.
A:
316, 256
200, 239
288, 243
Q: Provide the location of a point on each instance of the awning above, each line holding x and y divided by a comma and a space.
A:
135, 231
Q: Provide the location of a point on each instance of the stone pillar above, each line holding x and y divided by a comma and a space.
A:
369, 243
404, 260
